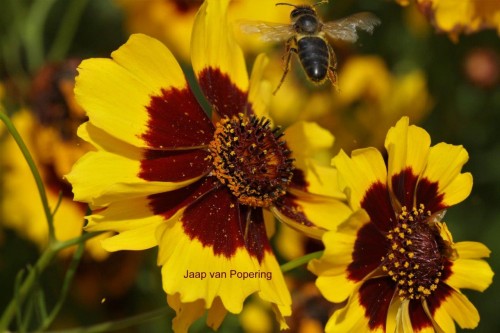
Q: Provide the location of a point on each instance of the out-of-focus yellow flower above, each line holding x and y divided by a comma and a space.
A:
256, 317
369, 94
171, 20
49, 131
457, 17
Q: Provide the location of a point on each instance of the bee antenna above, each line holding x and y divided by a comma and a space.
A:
285, 4
320, 3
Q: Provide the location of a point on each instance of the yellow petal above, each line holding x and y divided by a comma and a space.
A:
444, 165
472, 250
186, 313
331, 268
357, 174
310, 145
101, 140
460, 309
213, 44
470, 274
407, 148
115, 92
132, 219
217, 276
259, 93
351, 318
216, 314
102, 177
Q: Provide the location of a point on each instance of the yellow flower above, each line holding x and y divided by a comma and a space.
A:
394, 260
171, 20
369, 93
166, 174
464, 16
49, 131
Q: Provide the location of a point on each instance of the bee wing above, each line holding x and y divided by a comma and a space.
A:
346, 28
269, 31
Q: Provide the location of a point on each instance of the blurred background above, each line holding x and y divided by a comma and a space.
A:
439, 67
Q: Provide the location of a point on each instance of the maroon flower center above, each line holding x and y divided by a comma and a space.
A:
417, 254
251, 159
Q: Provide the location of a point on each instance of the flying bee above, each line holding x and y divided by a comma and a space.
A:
306, 36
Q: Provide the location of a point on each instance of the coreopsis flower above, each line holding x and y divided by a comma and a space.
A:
394, 259
171, 21
457, 17
165, 174
49, 131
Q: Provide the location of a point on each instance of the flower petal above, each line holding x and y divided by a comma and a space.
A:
419, 317
186, 313
337, 274
468, 271
458, 307
309, 143
331, 268
116, 93
259, 92
102, 177
309, 214
224, 259
174, 166
133, 221
218, 61
366, 310
443, 168
407, 148
358, 174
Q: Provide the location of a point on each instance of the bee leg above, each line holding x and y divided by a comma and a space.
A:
332, 68
289, 50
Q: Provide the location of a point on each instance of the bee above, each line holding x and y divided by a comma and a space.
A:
306, 37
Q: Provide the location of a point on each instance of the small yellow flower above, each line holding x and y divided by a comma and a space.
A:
394, 260
369, 94
460, 17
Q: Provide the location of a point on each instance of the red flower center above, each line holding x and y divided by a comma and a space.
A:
417, 254
251, 159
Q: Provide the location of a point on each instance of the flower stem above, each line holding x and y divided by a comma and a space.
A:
25, 288
31, 163
34, 273
300, 261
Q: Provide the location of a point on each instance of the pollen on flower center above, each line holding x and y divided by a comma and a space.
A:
416, 256
251, 159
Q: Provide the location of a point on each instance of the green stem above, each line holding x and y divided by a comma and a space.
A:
67, 30
40, 266
70, 273
25, 288
119, 324
300, 261
31, 163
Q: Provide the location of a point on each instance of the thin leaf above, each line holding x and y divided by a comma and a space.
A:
68, 279
300, 261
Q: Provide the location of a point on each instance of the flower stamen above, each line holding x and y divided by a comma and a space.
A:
251, 159
416, 254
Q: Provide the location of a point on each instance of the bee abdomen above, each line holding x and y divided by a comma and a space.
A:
314, 57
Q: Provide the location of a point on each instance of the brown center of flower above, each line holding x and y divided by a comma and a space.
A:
251, 159
416, 257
